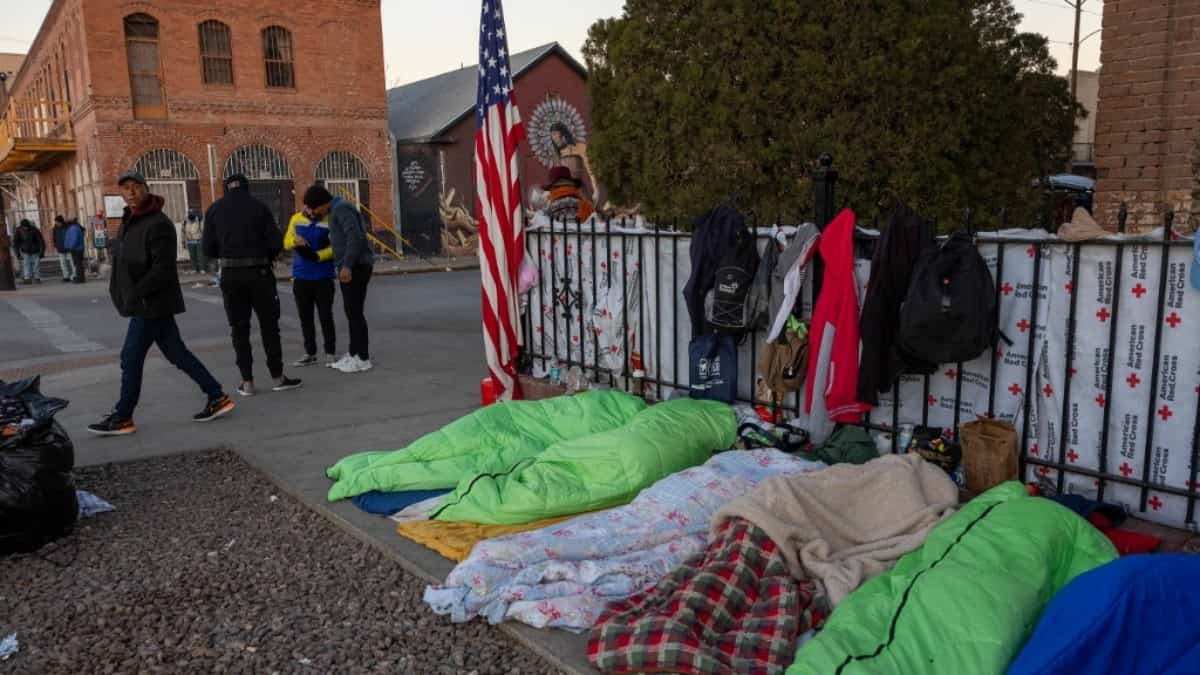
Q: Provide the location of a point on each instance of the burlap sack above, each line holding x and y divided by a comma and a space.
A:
990, 454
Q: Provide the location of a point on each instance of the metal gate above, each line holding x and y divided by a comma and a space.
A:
269, 176
175, 205
346, 189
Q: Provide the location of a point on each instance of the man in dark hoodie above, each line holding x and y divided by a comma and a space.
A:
240, 232
144, 286
75, 243
65, 263
29, 245
355, 263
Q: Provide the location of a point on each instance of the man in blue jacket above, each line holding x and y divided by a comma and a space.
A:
74, 243
354, 262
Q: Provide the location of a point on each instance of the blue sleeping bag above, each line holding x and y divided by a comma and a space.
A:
1134, 616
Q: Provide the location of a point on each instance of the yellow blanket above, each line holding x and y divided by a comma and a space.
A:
454, 540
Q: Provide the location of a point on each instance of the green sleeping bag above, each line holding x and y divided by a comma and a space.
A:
966, 601
598, 471
489, 439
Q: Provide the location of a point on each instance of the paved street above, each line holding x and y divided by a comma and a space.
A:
425, 342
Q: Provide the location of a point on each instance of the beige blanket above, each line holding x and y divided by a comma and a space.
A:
846, 524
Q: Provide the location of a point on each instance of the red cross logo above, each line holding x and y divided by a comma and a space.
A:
1023, 326
1034, 450
1070, 288
1133, 380
1072, 456
1126, 470
1174, 320
538, 329
952, 373
1100, 400
1048, 391
1156, 503
1031, 251
1000, 355
616, 255
1139, 291
932, 400
1165, 413
1045, 471
1074, 372
1103, 314
1016, 389
1007, 288
1193, 486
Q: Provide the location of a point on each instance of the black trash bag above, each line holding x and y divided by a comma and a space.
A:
37, 494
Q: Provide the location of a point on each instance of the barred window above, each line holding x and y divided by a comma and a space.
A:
145, 83
277, 51
216, 53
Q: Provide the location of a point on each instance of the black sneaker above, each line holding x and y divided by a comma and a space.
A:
215, 408
246, 389
287, 383
308, 360
112, 425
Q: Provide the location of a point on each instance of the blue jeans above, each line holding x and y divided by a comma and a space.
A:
29, 267
66, 264
165, 333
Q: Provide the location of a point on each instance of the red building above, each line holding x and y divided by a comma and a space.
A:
190, 92
433, 123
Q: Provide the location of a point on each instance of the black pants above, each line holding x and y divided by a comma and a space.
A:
318, 293
246, 290
80, 271
354, 297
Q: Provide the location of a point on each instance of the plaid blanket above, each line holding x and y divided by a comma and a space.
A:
733, 609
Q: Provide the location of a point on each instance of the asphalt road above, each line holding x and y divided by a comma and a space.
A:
56, 322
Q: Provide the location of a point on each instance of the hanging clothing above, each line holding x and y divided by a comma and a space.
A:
833, 373
787, 280
715, 232
900, 246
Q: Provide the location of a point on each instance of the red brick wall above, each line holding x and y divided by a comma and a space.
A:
339, 102
552, 76
1149, 109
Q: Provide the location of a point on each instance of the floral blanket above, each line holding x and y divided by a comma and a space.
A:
565, 575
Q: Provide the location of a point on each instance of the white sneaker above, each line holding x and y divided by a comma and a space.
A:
354, 365
340, 363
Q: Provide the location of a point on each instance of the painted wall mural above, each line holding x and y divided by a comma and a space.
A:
558, 137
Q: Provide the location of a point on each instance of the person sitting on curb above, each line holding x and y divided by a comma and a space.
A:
313, 277
144, 286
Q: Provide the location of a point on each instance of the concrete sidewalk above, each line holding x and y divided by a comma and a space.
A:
425, 376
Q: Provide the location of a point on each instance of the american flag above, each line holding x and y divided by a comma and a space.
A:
498, 199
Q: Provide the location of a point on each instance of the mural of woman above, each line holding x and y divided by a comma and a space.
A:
573, 155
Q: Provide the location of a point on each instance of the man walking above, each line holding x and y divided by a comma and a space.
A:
144, 286
58, 234
74, 240
30, 247
312, 286
355, 264
240, 232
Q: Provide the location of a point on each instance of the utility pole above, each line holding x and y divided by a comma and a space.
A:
1078, 5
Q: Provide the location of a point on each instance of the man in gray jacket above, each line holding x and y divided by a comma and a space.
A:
354, 262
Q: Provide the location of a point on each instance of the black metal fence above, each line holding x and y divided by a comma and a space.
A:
571, 292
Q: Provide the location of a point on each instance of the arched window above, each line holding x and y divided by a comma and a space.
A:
257, 162
164, 164
145, 82
216, 53
277, 52
344, 175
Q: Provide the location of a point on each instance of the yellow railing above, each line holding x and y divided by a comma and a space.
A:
345, 194
36, 119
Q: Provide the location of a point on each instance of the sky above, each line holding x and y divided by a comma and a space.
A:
423, 38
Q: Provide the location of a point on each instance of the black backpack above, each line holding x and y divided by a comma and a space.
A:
729, 313
949, 314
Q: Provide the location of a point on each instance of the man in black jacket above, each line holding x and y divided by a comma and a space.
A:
65, 263
241, 233
30, 247
145, 287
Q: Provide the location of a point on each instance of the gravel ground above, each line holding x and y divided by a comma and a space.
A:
199, 571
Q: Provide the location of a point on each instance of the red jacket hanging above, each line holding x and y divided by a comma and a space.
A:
831, 391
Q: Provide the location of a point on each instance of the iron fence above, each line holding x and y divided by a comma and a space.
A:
581, 267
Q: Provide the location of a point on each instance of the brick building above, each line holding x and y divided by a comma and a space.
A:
433, 122
1148, 115
190, 91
